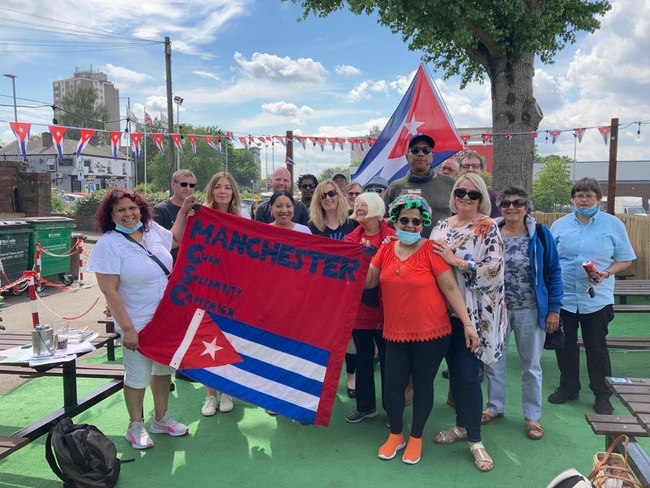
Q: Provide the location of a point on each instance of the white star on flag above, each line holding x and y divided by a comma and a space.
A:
413, 125
211, 348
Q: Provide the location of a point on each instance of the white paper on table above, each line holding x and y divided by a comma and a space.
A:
15, 350
57, 358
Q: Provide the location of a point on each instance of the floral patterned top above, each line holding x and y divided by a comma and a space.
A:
480, 244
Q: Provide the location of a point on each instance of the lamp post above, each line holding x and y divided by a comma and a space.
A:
13, 87
179, 101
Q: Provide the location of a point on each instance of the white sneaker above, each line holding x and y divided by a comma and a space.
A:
138, 437
168, 425
225, 403
209, 406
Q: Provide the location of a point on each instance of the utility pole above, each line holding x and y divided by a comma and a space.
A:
289, 153
170, 107
613, 158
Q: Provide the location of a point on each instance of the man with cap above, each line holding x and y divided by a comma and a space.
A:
341, 181
421, 180
377, 185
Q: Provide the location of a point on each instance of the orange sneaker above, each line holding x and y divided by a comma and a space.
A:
389, 449
413, 451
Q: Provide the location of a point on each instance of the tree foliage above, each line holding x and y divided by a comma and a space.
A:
78, 109
327, 173
206, 162
497, 38
552, 186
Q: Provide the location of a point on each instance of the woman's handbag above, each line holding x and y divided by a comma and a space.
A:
611, 469
555, 340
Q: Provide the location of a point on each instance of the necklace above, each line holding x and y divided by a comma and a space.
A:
401, 262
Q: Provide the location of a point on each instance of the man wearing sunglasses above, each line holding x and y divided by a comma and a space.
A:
423, 181
472, 162
281, 180
376, 185
183, 184
307, 184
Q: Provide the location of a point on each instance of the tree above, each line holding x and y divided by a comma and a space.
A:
497, 38
78, 109
552, 186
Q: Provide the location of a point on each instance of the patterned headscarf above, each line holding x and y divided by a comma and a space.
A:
410, 201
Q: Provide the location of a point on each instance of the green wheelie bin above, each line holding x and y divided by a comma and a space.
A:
54, 234
14, 243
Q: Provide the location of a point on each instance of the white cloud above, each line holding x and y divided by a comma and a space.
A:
123, 76
287, 109
264, 66
207, 75
347, 70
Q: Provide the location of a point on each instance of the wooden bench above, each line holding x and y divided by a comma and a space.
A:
611, 426
631, 308
11, 444
625, 342
84, 370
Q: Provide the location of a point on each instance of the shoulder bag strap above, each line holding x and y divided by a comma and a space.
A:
542, 238
149, 253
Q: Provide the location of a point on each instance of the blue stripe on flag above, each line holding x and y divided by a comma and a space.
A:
274, 373
283, 344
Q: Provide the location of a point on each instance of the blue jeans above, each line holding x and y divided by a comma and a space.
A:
530, 345
464, 383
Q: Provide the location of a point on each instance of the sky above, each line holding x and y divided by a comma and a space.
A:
250, 67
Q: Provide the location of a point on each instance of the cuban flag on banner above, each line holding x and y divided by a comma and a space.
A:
289, 161
218, 146
115, 142
158, 140
282, 139
302, 140
192, 139
341, 141
176, 139
244, 142
136, 141
219, 327
554, 135
210, 142
332, 141
21, 131
57, 138
86, 134
421, 111
579, 133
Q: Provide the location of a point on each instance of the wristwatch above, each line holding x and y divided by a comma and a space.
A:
462, 266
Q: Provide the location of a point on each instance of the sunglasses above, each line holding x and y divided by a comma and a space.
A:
330, 194
515, 203
472, 194
354, 193
308, 186
123, 193
185, 184
416, 150
374, 190
415, 221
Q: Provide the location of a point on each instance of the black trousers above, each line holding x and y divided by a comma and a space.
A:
364, 341
417, 360
594, 336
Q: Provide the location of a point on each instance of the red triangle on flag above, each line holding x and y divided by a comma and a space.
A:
209, 346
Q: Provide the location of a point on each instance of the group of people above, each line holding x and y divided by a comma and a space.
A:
449, 280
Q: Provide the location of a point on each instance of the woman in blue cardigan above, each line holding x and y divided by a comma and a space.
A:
533, 295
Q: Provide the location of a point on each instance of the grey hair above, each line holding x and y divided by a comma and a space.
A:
519, 191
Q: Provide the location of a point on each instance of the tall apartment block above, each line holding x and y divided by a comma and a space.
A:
107, 93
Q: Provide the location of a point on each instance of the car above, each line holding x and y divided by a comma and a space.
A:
70, 197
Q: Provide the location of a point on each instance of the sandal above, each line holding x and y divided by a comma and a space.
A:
534, 431
482, 460
488, 416
448, 436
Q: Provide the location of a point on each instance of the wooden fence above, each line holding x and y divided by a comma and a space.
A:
638, 229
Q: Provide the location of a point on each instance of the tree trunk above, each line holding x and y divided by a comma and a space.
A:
514, 110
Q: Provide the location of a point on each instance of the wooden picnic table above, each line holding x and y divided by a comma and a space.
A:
69, 371
625, 288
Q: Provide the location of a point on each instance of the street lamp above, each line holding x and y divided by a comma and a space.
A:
179, 101
13, 86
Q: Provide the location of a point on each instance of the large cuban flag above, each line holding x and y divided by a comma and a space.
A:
421, 111
259, 312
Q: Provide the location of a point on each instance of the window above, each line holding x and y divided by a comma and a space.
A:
51, 164
66, 162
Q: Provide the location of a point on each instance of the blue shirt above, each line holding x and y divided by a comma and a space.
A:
603, 241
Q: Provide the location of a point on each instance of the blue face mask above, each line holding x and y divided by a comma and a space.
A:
123, 229
408, 238
586, 212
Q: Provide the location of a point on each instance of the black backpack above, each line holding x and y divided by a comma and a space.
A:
82, 456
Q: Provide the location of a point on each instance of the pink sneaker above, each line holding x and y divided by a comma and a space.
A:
137, 436
168, 425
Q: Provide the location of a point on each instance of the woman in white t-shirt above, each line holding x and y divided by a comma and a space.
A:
133, 285
282, 206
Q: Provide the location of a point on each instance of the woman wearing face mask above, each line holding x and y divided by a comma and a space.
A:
588, 234
416, 342
471, 243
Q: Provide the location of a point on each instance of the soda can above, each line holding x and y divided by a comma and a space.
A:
591, 270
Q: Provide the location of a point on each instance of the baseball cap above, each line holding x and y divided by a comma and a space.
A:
339, 174
376, 181
424, 137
